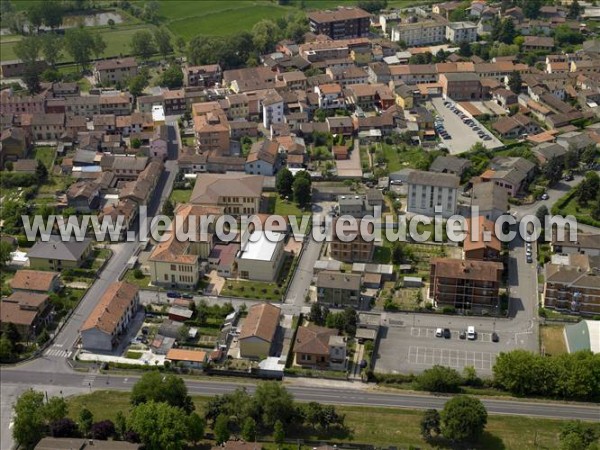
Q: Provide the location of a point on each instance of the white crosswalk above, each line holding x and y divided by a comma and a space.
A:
56, 350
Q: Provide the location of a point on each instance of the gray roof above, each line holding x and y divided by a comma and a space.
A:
489, 196
55, 248
550, 150
338, 280
449, 164
434, 179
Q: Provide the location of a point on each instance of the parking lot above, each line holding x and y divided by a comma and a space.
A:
409, 344
463, 137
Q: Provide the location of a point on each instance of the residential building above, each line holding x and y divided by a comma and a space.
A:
249, 79
27, 311
351, 205
44, 127
356, 249
573, 284
52, 443
320, 348
340, 125
537, 43
481, 242
192, 359
515, 126
175, 262
420, 33
261, 255
461, 86
84, 196
339, 290
14, 144
450, 164
212, 130
586, 244
108, 321
111, 71
340, 23
465, 285
16, 68
259, 331
330, 96
548, 151
159, 143
459, 32
56, 254
489, 200
272, 108
263, 158
428, 191
236, 193
511, 173
203, 76
35, 281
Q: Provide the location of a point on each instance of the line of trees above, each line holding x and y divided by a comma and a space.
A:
298, 187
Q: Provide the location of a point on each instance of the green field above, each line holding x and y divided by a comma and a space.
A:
377, 426
45, 155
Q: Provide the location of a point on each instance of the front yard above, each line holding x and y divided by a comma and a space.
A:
252, 289
282, 207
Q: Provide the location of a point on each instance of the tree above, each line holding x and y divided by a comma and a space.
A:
64, 427
440, 379
137, 84
55, 409
81, 44
142, 44
28, 425
463, 419
284, 182
465, 49
102, 430
589, 154
273, 402
162, 39
180, 44
515, 82
430, 424
372, 6
541, 214
316, 314
136, 143
120, 424
35, 15
6, 349
264, 35
28, 50
249, 430
41, 172
302, 191
221, 429
168, 208
507, 31
564, 35
51, 47
588, 188
531, 8
52, 13
574, 10
154, 386
5, 251
571, 159
159, 425
196, 426
278, 433
172, 77
575, 435
552, 171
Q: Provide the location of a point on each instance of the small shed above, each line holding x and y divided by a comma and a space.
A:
414, 282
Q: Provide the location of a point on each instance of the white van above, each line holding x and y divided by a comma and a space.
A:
471, 334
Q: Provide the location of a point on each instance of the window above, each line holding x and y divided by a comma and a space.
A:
173, 267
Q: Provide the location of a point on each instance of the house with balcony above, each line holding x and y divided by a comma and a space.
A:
340, 290
319, 348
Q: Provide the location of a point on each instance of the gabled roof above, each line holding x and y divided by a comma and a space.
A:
261, 322
111, 307
209, 188
433, 179
55, 248
33, 280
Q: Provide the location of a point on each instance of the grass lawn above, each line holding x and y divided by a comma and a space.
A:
133, 355
553, 340
398, 159
252, 289
180, 196
283, 207
141, 282
377, 426
45, 155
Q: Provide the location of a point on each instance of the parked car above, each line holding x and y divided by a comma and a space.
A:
173, 294
145, 330
529, 259
439, 332
363, 364
462, 334
495, 337
545, 196
471, 333
447, 333
187, 295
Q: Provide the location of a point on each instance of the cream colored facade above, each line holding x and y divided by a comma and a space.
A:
254, 347
261, 260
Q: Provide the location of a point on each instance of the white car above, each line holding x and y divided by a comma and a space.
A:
471, 333
439, 332
528, 252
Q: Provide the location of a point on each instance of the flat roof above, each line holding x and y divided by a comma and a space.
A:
261, 245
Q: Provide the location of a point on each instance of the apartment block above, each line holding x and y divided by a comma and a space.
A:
339, 289
356, 249
341, 23
428, 190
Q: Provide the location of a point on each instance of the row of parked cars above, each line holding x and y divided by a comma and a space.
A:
469, 334
175, 294
528, 252
440, 129
468, 121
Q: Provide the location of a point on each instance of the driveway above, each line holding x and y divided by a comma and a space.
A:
463, 136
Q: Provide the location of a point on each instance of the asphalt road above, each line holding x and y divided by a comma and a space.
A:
353, 394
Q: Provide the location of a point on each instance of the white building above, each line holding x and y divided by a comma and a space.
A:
420, 33
461, 32
330, 96
428, 190
261, 255
272, 109
107, 323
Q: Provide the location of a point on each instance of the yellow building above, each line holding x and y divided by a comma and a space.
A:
258, 331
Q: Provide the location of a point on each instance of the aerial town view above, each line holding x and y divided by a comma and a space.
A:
299, 224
